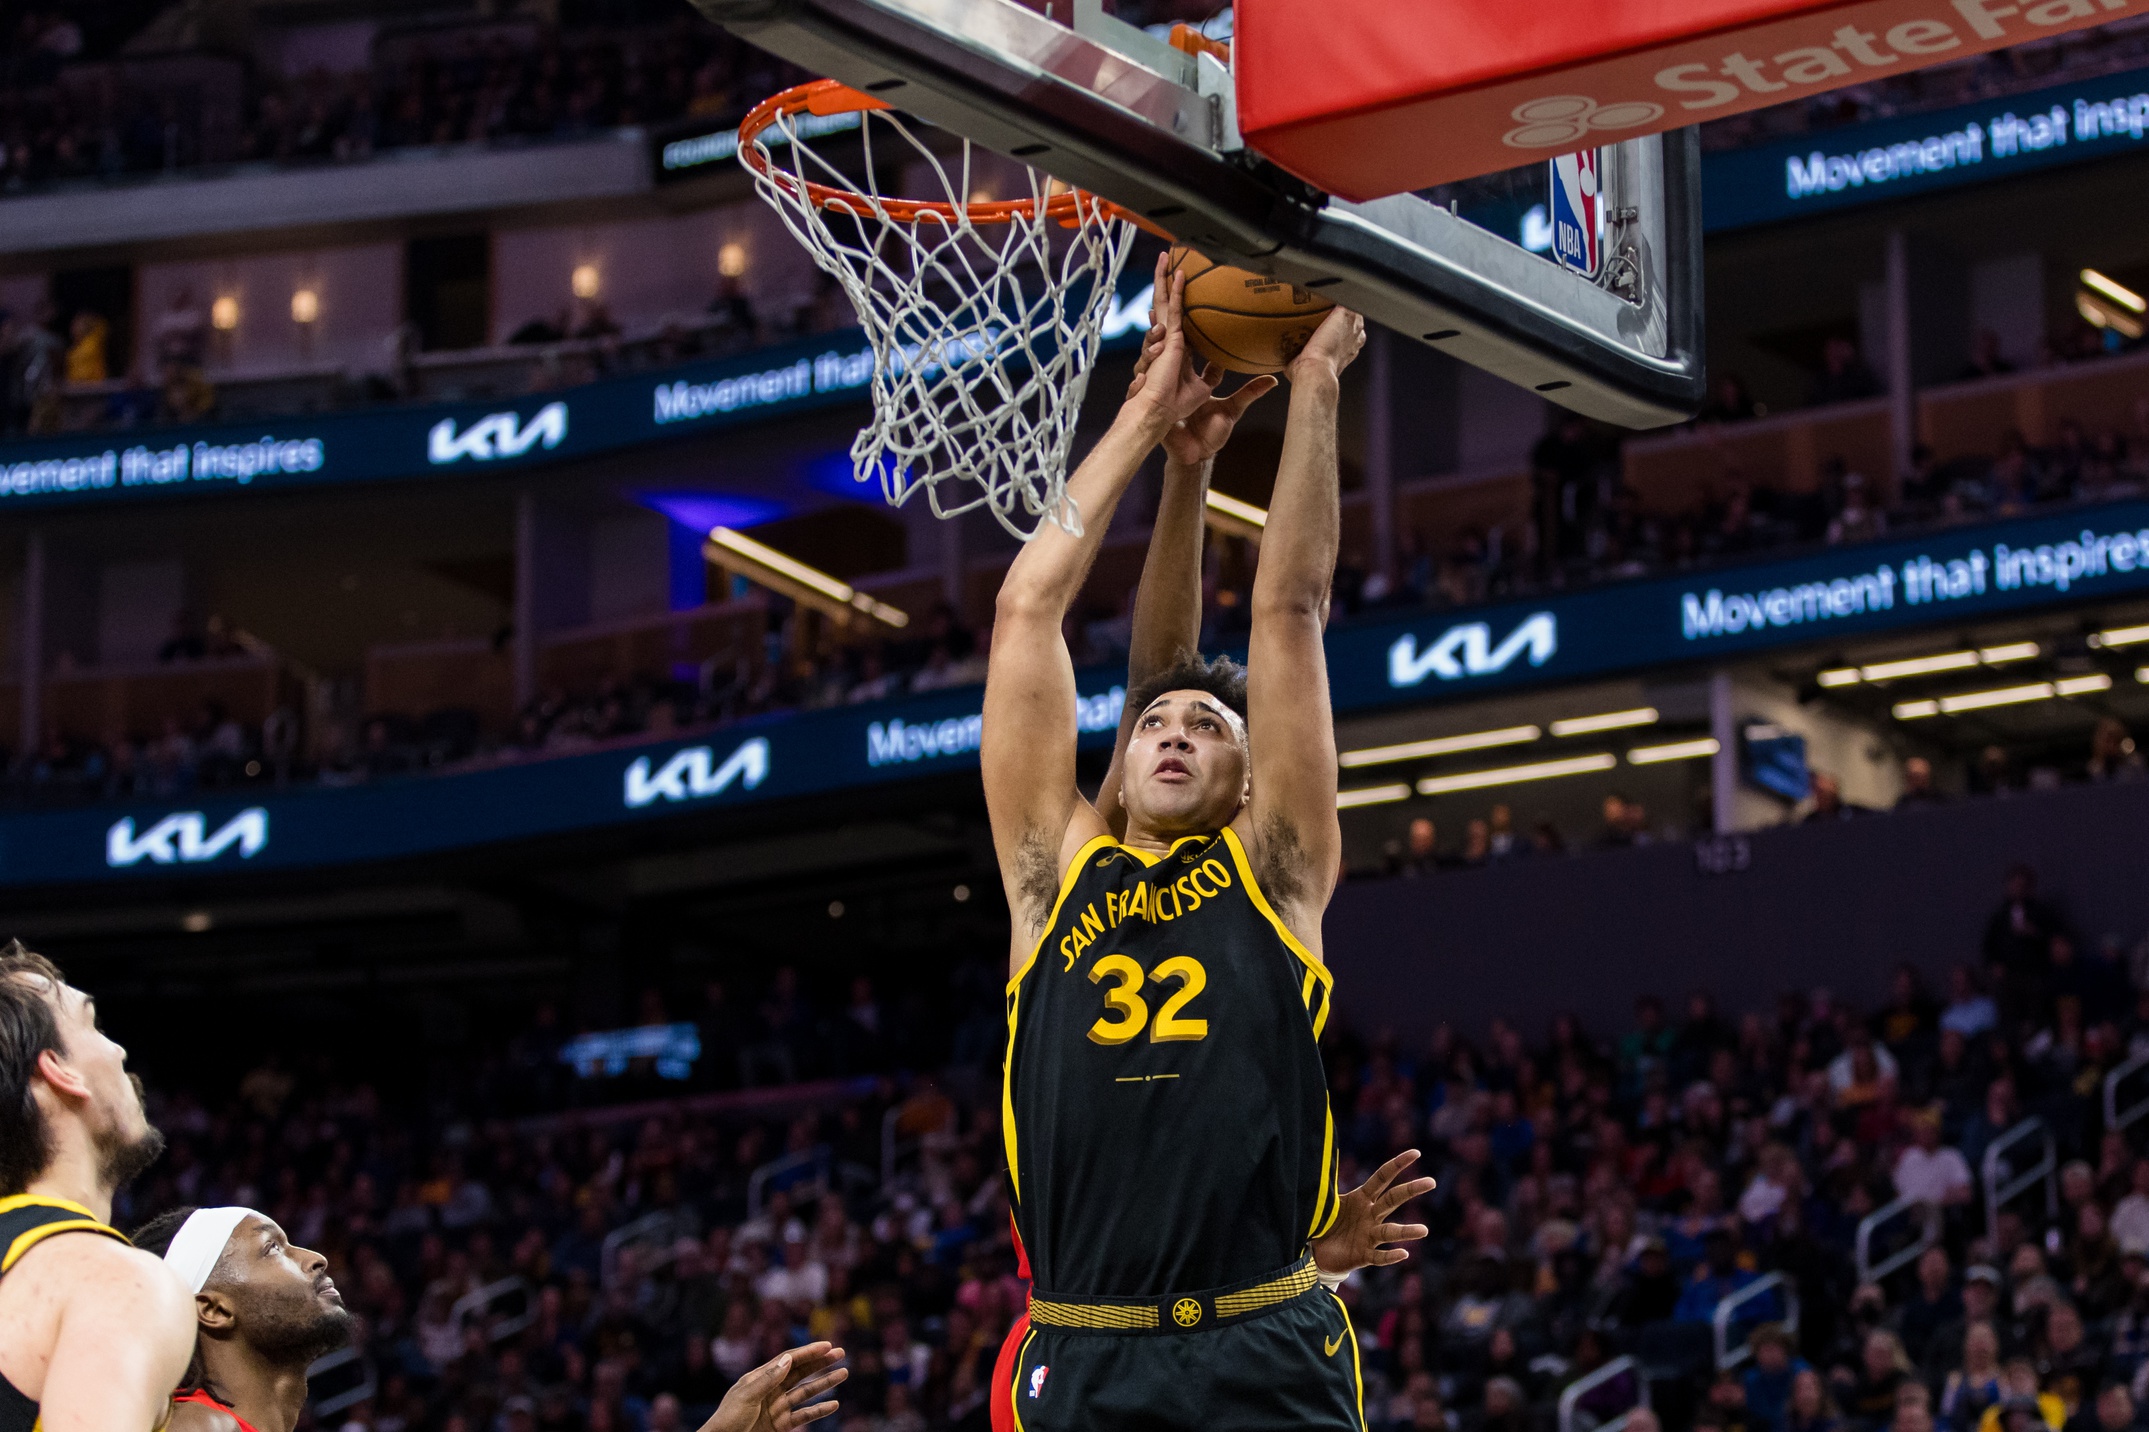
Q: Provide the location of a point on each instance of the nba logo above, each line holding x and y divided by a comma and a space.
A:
1037, 1379
1577, 211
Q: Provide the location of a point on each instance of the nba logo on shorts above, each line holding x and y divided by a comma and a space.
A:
1576, 240
1037, 1379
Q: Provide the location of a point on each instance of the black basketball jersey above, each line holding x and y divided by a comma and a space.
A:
1164, 1108
25, 1221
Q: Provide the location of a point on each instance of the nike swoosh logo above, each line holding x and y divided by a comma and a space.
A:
1333, 1343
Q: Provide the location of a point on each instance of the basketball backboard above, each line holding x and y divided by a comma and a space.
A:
1117, 111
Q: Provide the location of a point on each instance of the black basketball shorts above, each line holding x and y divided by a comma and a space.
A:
1289, 1370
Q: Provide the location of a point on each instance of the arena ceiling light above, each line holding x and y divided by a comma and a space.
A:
1515, 775
2099, 312
1439, 746
1607, 721
2002, 696
2082, 685
1234, 518
1372, 795
765, 566
1674, 751
2114, 290
2121, 636
2141, 674
1929, 665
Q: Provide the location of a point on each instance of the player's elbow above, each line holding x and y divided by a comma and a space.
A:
1289, 600
1025, 604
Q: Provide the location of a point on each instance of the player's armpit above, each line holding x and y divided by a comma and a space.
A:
124, 1340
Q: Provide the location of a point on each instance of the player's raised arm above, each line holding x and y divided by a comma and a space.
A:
1167, 603
1028, 743
1291, 820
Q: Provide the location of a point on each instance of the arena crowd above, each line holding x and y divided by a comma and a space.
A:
1600, 1193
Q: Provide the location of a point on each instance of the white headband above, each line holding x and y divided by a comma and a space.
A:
200, 1242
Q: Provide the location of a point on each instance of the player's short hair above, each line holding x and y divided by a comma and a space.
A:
1220, 676
29, 1025
157, 1234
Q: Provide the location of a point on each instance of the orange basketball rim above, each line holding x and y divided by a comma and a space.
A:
1069, 207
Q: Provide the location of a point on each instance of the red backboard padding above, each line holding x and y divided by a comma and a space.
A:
1371, 97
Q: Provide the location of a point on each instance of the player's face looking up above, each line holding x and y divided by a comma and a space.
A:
277, 1297
1186, 765
112, 1109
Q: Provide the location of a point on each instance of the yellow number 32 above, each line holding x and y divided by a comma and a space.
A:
1129, 1012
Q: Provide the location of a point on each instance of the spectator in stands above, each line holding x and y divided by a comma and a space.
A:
1418, 853
1867, 1391
184, 395
1864, 1073
1811, 1408
88, 334
31, 363
2018, 941
1776, 1365
1970, 1011
1728, 401
1717, 1278
1625, 822
1972, 1388
1828, 801
1859, 519
1917, 784
2129, 1222
1932, 1305
1844, 376
2112, 755
1930, 1172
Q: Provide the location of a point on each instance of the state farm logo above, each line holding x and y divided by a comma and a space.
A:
496, 435
184, 838
1467, 650
693, 774
1566, 119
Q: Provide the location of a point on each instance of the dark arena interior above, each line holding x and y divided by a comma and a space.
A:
515, 792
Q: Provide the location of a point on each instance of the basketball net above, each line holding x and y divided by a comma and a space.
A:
984, 317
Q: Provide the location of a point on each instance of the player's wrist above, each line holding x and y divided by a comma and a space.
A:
1316, 377
1143, 418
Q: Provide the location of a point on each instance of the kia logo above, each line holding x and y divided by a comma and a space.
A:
183, 838
692, 774
1467, 650
497, 435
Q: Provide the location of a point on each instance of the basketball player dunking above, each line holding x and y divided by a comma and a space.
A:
1169, 1143
93, 1333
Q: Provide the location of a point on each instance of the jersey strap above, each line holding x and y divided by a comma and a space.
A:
27, 1220
202, 1397
1178, 1312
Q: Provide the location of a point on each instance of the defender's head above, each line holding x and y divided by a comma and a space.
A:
1187, 770
63, 1081
255, 1293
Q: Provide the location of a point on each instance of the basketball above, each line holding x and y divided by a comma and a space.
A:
1248, 322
